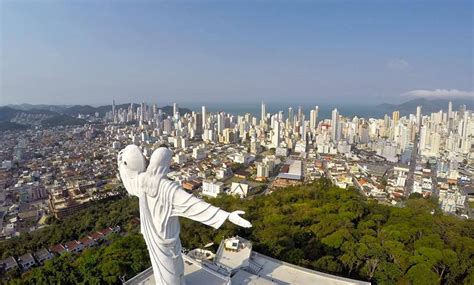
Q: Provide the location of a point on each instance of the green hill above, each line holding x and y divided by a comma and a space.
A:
338, 231
62, 120
9, 126
318, 226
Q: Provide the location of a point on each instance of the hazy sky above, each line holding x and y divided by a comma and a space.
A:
90, 52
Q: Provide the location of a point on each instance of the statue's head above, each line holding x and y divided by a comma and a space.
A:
160, 161
131, 162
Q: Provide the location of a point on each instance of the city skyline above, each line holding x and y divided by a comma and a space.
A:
312, 111
90, 52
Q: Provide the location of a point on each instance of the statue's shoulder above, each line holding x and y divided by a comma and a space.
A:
168, 183
164, 188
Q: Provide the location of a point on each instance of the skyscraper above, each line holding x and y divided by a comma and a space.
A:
276, 135
386, 126
303, 128
317, 115
204, 117
113, 112
312, 120
131, 112
423, 138
418, 117
395, 117
300, 113
435, 144
220, 123
264, 114
175, 108
335, 125
142, 112
462, 110
465, 123
450, 110
290, 116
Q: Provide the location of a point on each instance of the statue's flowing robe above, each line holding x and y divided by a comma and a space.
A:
161, 203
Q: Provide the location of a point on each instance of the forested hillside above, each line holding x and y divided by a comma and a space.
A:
329, 229
318, 226
96, 217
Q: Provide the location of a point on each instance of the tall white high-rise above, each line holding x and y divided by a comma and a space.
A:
435, 144
220, 123
175, 108
204, 117
418, 116
280, 116
303, 128
142, 112
313, 119
290, 116
450, 110
317, 115
335, 125
264, 114
465, 124
466, 133
462, 110
423, 138
276, 134
131, 114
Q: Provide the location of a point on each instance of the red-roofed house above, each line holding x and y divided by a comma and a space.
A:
106, 231
109, 230
74, 246
96, 236
57, 249
87, 242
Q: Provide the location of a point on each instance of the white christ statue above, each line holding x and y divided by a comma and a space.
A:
162, 202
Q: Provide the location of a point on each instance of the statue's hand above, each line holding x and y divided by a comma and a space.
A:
236, 219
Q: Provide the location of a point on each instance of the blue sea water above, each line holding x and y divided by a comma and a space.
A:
346, 110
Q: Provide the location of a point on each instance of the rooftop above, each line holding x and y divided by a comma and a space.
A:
281, 272
244, 266
234, 253
194, 272
292, 170
25, 258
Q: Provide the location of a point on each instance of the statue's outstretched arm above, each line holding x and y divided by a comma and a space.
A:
188, 206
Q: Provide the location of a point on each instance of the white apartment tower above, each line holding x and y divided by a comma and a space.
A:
175, 108
418, 117
204, 117
335, 133
276, 135
313, 119
220, 123
450, 110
